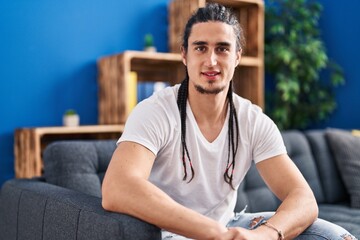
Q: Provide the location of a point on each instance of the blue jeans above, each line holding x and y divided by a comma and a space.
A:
320, 229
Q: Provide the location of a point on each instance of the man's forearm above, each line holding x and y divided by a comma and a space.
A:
139, 198
298, 211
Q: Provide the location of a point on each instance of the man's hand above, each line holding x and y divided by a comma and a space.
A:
260, 233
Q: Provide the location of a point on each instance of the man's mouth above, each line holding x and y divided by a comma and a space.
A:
211, 74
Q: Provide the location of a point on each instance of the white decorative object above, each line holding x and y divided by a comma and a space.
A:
71, 119
150, 49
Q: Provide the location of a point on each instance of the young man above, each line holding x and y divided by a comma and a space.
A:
186, 149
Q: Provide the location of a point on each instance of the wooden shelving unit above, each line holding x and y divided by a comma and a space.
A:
30, 143
114, 70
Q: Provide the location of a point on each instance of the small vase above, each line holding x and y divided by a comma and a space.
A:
71, 120
150, 49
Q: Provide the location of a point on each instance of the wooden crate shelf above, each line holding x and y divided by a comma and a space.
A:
114, 71
30, 143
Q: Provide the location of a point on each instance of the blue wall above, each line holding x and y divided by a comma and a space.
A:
48, 53
340, 27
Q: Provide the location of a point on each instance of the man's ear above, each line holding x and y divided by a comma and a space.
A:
183, 54
238, 56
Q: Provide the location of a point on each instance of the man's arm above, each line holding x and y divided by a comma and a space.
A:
126, 189
299, 208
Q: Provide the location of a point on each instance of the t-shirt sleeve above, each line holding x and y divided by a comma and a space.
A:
146, 126
266, 141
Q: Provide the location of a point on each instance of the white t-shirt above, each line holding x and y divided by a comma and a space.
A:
155, 123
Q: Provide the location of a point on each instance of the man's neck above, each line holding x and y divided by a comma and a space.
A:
208, 109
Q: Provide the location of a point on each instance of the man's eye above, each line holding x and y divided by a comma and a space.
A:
223, 49
200, 49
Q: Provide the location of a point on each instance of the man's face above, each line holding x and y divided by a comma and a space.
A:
211, 57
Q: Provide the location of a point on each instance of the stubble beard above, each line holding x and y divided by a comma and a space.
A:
214, 91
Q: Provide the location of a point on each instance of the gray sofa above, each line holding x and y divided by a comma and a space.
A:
66, 202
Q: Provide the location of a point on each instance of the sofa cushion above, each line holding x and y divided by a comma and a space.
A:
300, 152
330, 179
345, 148
78, 165
342, 215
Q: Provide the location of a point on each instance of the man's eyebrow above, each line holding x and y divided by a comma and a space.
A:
224, 44
197, 43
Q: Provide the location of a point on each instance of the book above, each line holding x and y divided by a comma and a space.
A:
146, 89
132, 90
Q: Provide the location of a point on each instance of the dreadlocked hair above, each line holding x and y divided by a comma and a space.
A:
181, 102
233, 139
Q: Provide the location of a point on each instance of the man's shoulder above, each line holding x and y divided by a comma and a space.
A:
165, 96
244, 104
161, 103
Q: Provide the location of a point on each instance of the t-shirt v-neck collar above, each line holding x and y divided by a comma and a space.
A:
219, 139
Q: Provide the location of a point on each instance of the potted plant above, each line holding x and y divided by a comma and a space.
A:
149, 43
295, 59
71, 118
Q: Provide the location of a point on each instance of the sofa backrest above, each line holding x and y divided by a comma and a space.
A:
300, 152
330, 178
78, 165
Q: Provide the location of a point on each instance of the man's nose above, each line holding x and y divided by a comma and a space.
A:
211, 59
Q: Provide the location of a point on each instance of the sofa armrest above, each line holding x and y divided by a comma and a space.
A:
33, 209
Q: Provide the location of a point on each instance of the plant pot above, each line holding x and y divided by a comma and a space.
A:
71, 120
150, 49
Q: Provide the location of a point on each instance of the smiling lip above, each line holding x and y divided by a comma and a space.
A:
210, 74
